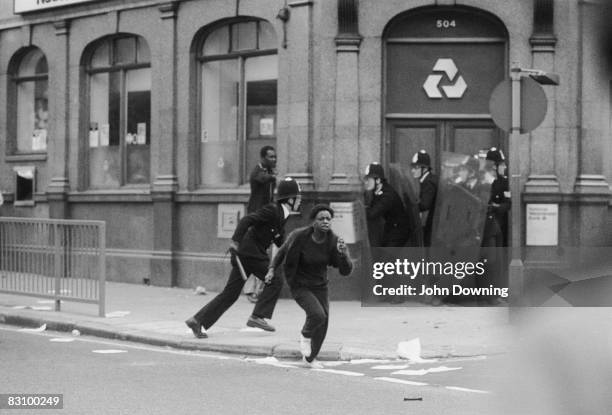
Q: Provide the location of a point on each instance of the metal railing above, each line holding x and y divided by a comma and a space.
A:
50, 258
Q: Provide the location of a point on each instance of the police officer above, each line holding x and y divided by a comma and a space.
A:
382, 201
496, 226
253, 236
421, 170
493, 237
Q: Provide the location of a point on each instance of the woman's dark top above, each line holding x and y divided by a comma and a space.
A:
306, 262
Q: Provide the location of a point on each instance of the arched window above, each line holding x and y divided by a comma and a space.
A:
238, 72
29, 114
119, 76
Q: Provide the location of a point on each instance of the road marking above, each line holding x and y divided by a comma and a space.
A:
390, 367
362, 361
457, 388
109, 351
339, 372
62, 339
404, 382
36, 330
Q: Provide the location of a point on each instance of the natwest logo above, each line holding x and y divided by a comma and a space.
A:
432, 83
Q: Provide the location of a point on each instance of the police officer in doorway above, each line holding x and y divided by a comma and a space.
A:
493, 237
382, 201
421, 170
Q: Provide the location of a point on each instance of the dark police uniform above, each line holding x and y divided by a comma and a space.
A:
427, 203
387, 204
254, 234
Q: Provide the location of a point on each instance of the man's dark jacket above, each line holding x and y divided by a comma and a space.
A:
256, 231
262, 183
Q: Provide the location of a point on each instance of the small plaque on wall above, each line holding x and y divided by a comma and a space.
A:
228, 215
542, 224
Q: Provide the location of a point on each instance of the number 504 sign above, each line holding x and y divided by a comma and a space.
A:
445, 24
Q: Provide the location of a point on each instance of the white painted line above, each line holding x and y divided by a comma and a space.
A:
19, 307
421, 372
62, 340
404, 382
46, 302
410, 372
363, 361
36, 330
41, 308
457, 388
390, 367
109, 351
339, 372
251, 329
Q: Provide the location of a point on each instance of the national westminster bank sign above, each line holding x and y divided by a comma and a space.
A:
26, 6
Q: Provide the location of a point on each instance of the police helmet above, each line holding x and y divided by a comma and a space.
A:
375, 171
495, 155
421, 158
287, 189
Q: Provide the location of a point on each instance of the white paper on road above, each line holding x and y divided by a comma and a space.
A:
363, 361
38, 329
411, 350
109, 351
457, 388
390, 367
405, 382
62, 339
421, 372
340, 372
117, 314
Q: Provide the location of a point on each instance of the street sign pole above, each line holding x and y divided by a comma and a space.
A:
516, 271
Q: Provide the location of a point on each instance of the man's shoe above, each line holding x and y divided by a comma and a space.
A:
305, 346
259, 323
252, 297
196, 328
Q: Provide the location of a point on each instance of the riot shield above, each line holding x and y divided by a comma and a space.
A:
460, 216
349, 223
408, 189
461, 202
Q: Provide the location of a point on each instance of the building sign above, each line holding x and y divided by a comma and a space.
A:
542, 224
443, 60
228, 216
432, 86
24, 6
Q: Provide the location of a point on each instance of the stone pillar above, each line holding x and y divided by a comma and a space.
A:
165, 182
591, 186
345, 175
300, 106
58, 140
542, 170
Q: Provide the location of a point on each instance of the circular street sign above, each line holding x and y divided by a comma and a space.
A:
533, 105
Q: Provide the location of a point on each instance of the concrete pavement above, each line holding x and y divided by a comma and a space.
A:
155, 315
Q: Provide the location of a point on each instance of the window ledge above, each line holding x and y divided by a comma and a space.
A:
111, 195
16, 158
